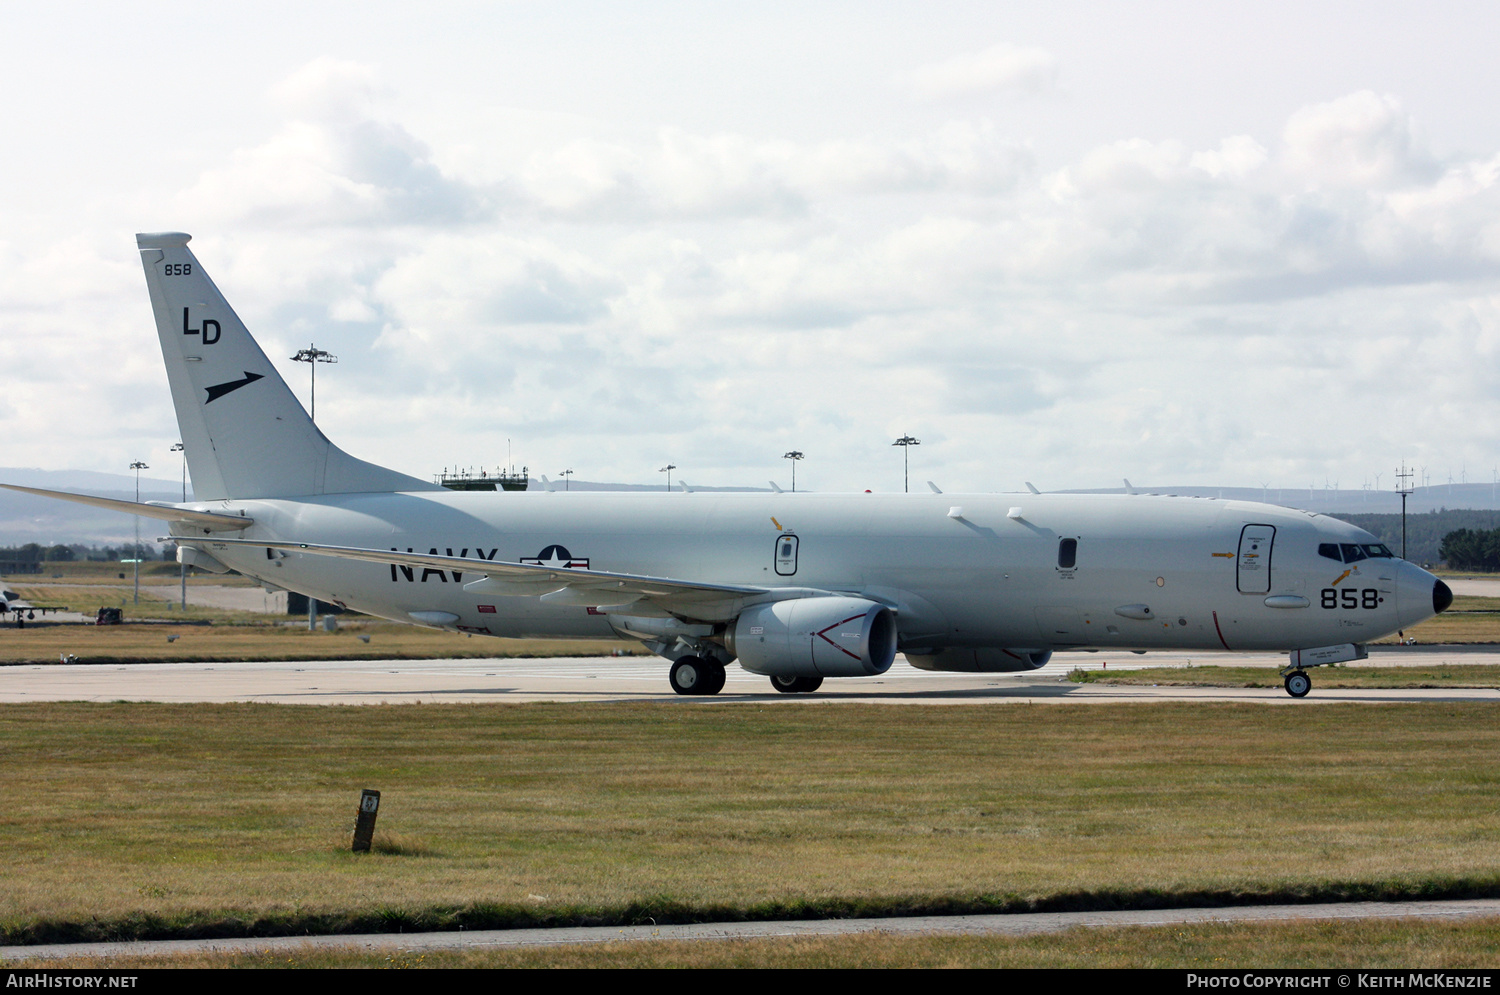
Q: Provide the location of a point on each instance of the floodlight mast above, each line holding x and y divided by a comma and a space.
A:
138, 466
182, 567
668, 471
312, 356
1403, 487
567, 476
794, 456
906, 442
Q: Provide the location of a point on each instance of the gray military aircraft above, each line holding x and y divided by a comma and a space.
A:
13, 603
797, 587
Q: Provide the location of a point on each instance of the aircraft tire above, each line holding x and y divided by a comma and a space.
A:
713, 677
1298, 684
796, 685
690, 675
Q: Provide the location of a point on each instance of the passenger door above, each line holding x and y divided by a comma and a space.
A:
786, 554
1254, 560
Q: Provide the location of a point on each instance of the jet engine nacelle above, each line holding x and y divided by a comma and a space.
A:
984, 660
815, 637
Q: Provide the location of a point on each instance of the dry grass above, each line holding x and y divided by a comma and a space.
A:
144, 819
1459, 626
213, 635
274, 641
1374, 944
87, 599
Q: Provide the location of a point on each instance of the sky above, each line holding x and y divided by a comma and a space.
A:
1225, 244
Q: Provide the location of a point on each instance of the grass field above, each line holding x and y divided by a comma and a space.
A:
1413, 945
156, 820
264, 641
211, 635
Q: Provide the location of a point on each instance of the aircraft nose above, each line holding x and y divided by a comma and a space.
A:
1442, 597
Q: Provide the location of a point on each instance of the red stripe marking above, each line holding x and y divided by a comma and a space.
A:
1220, 631
835, 645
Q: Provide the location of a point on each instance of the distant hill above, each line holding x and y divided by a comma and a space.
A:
24, 518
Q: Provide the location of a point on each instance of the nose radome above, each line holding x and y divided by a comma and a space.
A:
1442, 596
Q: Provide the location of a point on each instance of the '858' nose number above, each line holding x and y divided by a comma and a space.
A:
1368, 597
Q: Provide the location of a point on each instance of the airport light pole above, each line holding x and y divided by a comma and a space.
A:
1403, 487
906, 442
668, 471
138, 466
567, 476
312, 356
794, 456
182, 567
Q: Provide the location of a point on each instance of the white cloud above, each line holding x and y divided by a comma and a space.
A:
618, 296
334, 162
999, 68
1363, 140
1236, 156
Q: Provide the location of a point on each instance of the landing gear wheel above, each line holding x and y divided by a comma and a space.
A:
695, 675
713, 677
1298, 684
688, 675
796, 685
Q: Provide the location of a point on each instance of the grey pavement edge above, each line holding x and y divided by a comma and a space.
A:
1021, 924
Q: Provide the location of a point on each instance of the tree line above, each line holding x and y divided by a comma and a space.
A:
1472, 549
33, 552
1425, 531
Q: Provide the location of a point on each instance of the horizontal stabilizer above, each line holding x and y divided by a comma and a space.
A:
161, 512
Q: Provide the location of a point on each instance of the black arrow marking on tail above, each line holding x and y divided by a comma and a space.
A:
219, 390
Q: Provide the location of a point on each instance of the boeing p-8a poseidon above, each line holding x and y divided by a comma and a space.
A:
795, 587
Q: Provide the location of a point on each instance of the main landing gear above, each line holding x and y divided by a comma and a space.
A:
697, 675
796, 685
1298, 683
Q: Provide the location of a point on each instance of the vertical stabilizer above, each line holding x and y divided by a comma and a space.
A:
245, 434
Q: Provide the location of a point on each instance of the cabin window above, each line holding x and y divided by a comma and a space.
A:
1067, 554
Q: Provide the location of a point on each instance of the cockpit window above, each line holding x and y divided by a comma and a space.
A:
1353, 552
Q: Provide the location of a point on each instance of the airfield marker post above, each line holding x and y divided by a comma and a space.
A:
364, 825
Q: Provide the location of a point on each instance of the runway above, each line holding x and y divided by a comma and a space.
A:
598, 679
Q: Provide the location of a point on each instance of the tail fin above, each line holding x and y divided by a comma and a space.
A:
245, 433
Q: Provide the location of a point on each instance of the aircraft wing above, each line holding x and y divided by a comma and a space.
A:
206, 520
554, 585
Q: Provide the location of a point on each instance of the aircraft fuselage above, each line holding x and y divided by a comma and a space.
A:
1038, 571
